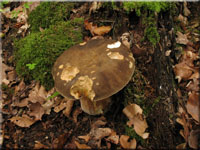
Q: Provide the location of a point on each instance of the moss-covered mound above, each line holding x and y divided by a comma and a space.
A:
36, 53
48, 13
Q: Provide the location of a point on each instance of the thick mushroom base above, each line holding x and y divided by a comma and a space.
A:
95, 107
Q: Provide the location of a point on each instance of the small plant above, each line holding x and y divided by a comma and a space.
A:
31, 66
53, 95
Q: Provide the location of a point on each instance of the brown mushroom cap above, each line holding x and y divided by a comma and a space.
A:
94, 69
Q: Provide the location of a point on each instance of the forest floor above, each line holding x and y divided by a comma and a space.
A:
168, 121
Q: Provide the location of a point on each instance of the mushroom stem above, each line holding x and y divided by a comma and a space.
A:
94, 107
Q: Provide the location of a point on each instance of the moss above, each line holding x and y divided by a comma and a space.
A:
42, 49
151, 6
49, 13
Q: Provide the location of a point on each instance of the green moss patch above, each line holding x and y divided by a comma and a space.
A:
49, 13
36, 53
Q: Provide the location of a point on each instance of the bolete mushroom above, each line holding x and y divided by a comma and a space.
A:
92, 72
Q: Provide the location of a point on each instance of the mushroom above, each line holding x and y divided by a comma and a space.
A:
92, 72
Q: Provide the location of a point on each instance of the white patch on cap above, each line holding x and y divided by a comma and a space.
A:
115, 55
83, 88
92, 71
114, 45
58, 73
130, 64
69, 72
61, 66
82, 43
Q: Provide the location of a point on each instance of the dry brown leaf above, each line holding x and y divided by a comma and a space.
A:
182, 19
36, 110
85, 137
76, 112
131, 110
20, 87
136, 119
100, 133
181, 146
140, 126
102, 30
38, 94
182, 71
96, 30
81, 146
68, 108
100, 122
193, 106
181, 38
47, 106
39, 145
113, 138
95, 6
125, 144
193, 85
186, 11
61, 106
23, 121
193, 138
12, 75
3, 77
20, 103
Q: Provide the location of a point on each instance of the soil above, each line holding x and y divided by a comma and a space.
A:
58, 131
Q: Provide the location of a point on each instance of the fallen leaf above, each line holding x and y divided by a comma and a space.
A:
96, 30
136, 119
36, 110
12, 75
193, 85
125, 144
39, 145
113, 138
181, 146
100, 133
20, 87
81, 146
23, 121
47, 106
181, 38
182, 19
182, 71
20, 103
61, 106
68, 108
76, 112
85, 137
193, 139
140, 126
193, 107
186, 11
102, 30
59, 142
95, 6
131, 110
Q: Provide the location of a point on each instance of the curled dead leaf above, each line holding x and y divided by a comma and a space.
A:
68, 108
76, 112
23, 121
193, 138
181, 146
193, 107
181, 38
85, 137
125, 144
182, 71
131, 110
94, 30
81, 146
36, 110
